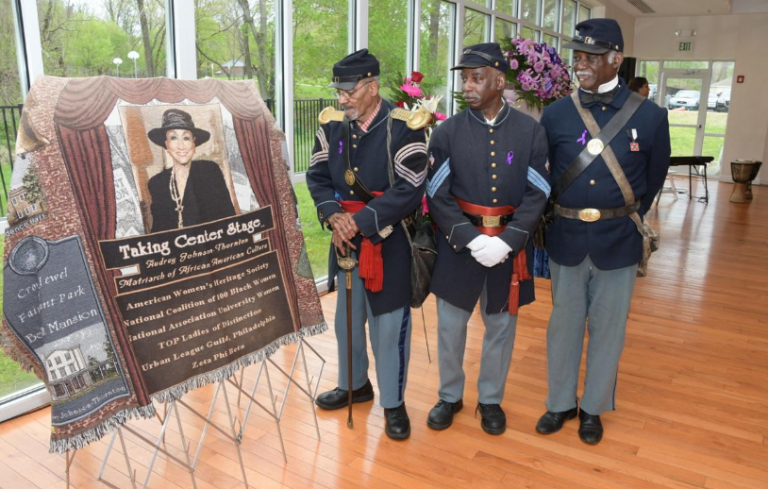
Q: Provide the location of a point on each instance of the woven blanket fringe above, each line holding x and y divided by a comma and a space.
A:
178, 390
102, 429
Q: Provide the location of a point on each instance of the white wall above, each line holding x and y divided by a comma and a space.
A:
741, 38
626, 21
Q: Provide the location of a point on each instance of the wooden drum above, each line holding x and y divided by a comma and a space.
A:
743, 172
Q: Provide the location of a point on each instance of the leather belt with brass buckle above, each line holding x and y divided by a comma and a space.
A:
589, 215
491, 221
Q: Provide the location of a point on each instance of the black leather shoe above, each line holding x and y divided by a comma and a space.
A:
339, 398
552, 422
494, 421
591, 428
398, 425
441, 416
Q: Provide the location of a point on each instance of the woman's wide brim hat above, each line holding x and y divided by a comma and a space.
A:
177, 119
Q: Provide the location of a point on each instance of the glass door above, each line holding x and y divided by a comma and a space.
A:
685, 94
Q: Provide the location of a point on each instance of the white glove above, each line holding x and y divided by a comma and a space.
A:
478, 243
494, 252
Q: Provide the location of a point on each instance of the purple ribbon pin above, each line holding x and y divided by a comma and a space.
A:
582, 139
341, 145
510, 155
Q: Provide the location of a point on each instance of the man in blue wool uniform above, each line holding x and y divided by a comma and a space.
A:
348, 179
609, 153
487, 188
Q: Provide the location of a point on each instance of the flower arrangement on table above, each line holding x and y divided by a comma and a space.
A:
410, 96
536, 72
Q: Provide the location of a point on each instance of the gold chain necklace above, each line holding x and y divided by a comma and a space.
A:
174, 189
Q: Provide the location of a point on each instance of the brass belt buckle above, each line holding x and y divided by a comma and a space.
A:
491, 221
589, 215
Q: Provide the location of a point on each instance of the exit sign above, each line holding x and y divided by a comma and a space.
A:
685, 46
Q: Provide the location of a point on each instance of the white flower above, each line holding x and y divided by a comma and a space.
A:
430, 105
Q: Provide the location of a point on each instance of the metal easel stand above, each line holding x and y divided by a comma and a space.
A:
171, 409
252, 400
310, 391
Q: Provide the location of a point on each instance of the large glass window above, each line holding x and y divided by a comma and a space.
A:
236, 41
508, 7
435, 59
550, 41
388, 40
584, 13
13, 380
569, 18
551, 14
94, 37
475, 27
530, 11
528, 33
319, 40
650, 71
505, 29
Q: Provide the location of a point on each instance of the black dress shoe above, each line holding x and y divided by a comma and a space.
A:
494, 422
441, 416
339, 398
398, 425
591, 428
552, 422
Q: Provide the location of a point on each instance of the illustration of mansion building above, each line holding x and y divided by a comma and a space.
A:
69, 373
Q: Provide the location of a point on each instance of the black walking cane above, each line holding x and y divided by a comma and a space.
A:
348, 263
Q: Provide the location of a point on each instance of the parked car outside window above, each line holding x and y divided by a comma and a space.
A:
686, 99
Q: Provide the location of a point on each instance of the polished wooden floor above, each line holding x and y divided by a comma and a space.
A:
692, 395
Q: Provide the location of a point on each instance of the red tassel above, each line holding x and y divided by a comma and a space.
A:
514, 295
520, 272
371, 265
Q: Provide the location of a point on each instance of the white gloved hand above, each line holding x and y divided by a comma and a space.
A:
478, 243
494, 252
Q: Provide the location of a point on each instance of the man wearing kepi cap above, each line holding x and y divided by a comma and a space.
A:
487, 187
609, 154
348, 179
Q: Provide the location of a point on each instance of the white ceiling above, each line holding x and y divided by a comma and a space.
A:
678, 8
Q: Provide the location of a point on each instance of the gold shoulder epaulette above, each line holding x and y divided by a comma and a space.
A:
417, 119
329, 114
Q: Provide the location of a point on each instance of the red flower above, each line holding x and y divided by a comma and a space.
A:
417, 77
400, 104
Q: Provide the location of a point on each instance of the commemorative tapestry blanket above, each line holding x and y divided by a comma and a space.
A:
154, 245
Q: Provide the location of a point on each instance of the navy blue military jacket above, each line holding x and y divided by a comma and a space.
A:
610, 243
368, 158
492, 165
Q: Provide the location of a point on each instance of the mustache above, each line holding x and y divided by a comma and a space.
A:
471, 95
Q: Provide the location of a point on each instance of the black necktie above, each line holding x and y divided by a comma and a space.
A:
589, 99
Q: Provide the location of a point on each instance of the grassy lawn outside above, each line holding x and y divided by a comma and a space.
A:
12, 378
317, 240
683, 138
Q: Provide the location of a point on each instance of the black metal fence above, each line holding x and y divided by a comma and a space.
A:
9, 125
305, 125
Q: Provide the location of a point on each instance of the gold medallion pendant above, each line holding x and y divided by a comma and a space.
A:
349, 177
595, 146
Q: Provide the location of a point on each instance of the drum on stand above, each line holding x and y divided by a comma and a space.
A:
743, 172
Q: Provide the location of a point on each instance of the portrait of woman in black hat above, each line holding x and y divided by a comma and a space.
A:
190, 191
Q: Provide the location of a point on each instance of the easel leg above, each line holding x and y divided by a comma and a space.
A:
309, 387
234, 434
184, 446
68, 461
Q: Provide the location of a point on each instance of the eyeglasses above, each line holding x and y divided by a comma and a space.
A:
348, 93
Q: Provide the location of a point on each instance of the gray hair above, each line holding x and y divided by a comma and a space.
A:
612, 55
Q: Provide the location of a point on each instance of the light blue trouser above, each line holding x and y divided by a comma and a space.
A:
390, 341
603, 296
498, 341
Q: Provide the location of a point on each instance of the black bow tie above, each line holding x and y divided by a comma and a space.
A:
588, 99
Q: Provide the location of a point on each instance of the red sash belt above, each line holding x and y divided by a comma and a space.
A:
371, 262
520, 264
